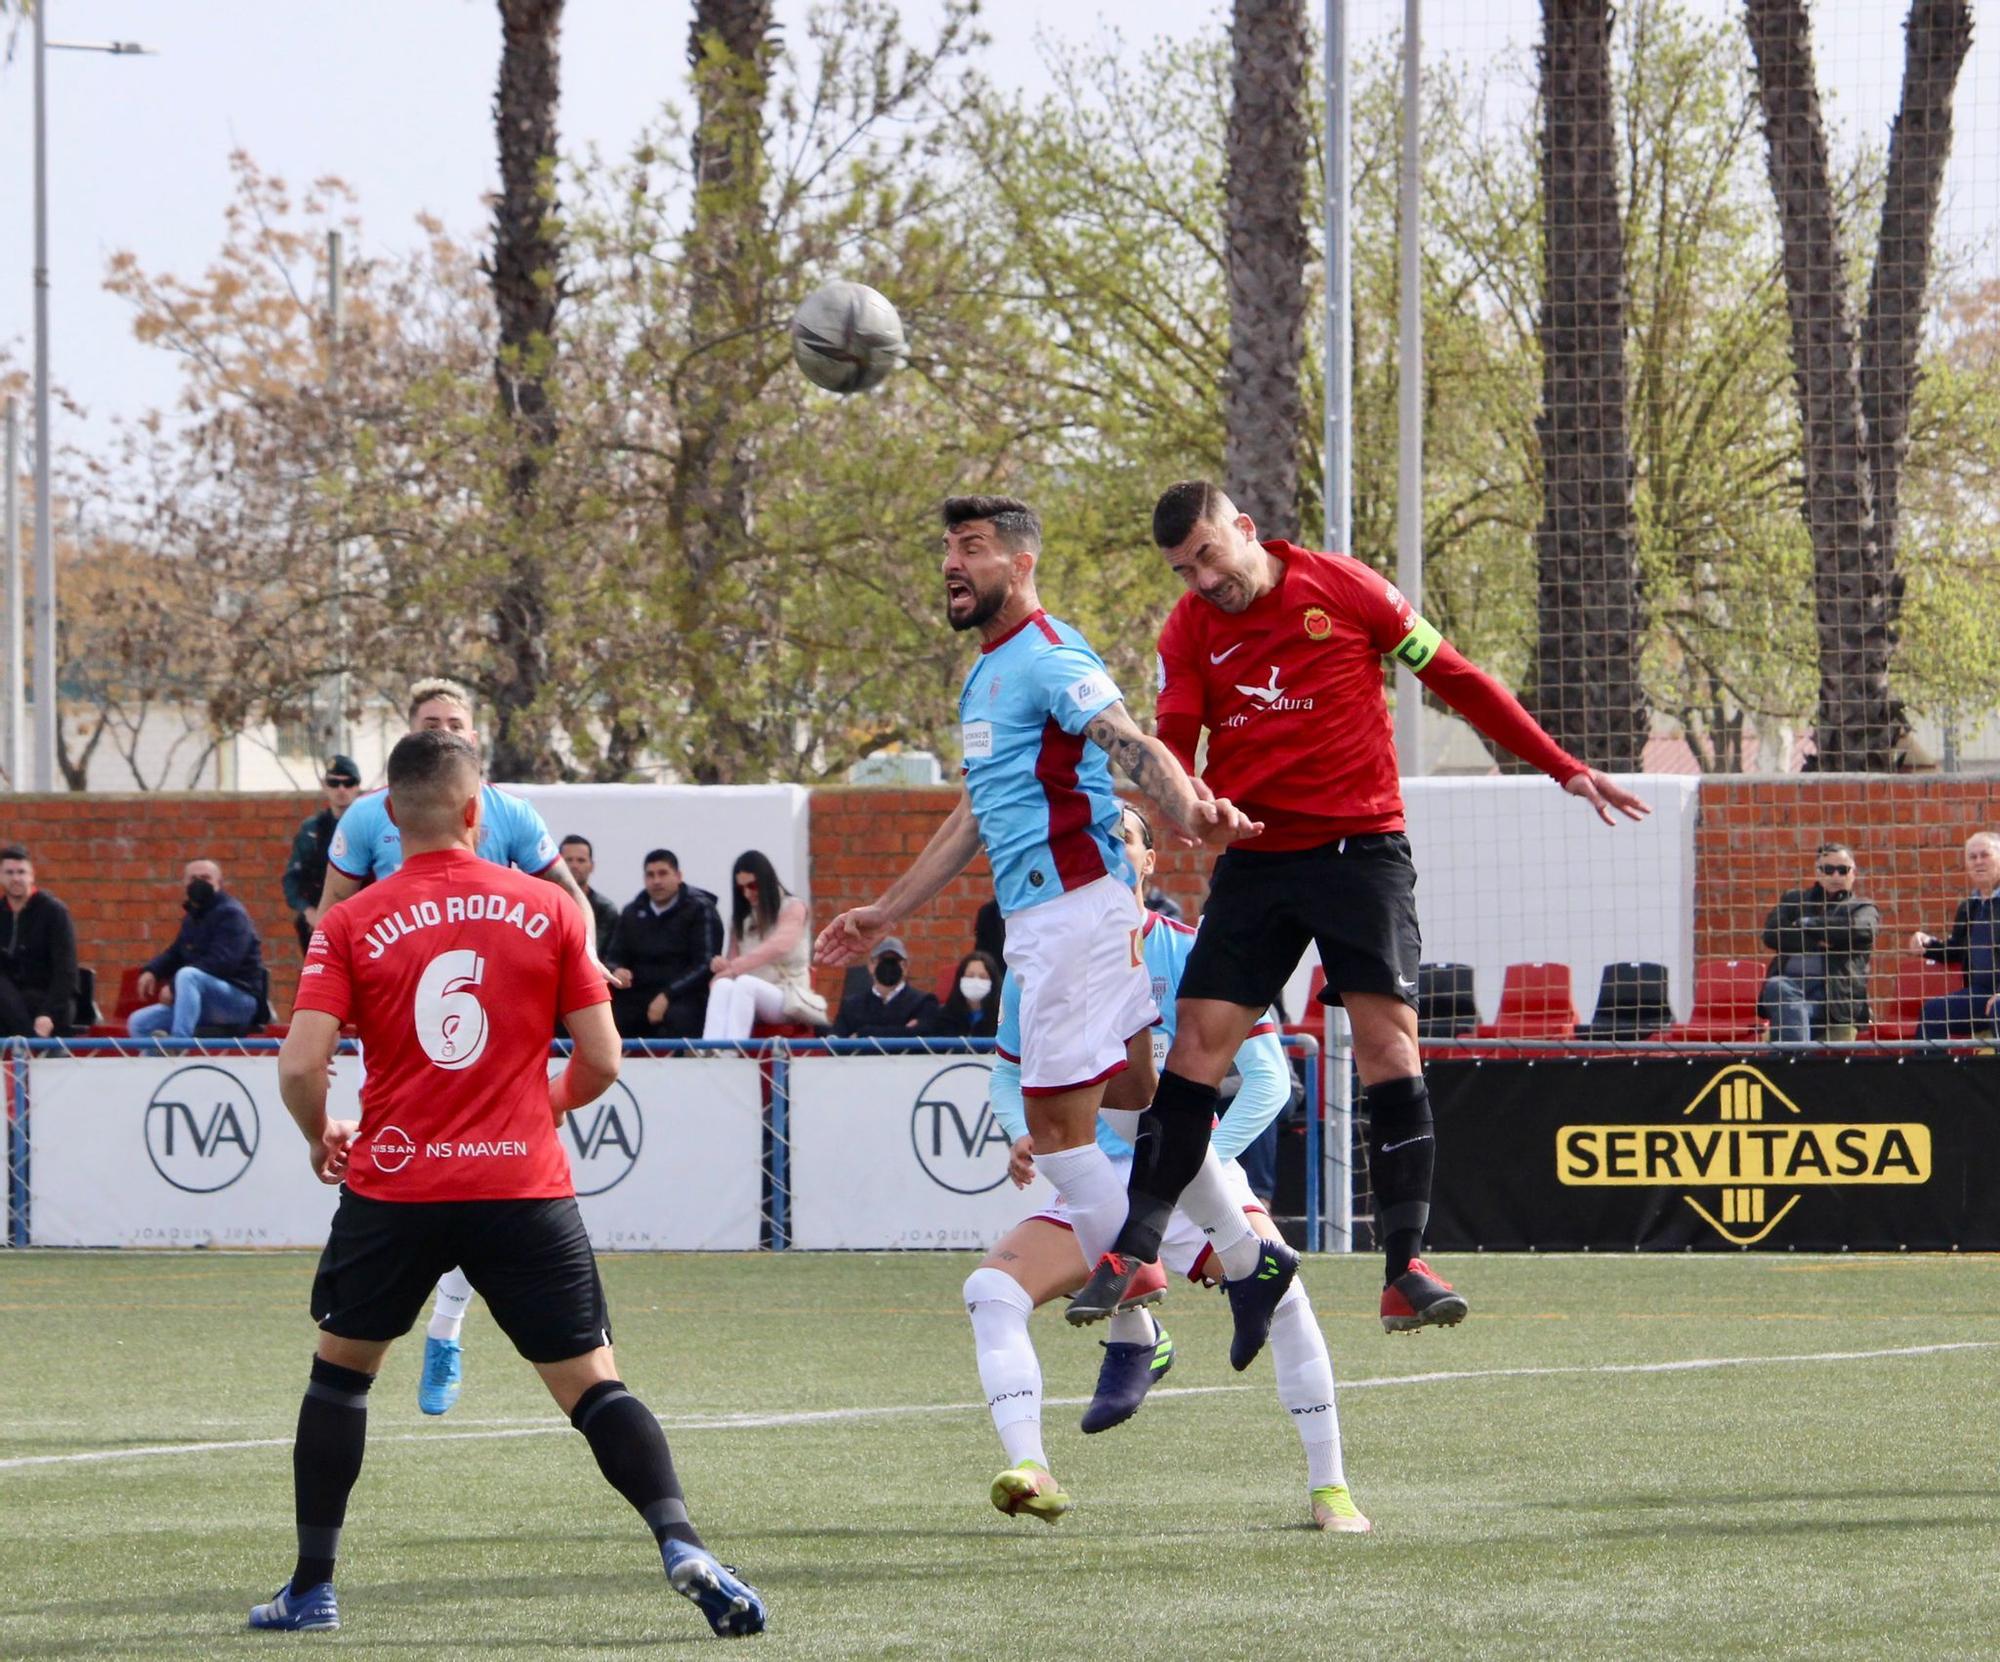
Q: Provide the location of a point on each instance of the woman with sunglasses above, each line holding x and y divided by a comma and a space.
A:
767, 973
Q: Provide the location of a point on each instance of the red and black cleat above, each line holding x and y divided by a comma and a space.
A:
1107, 1290
1417, 1298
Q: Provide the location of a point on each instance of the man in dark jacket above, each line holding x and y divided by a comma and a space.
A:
890, 1008
305, 872
213, 974
37, 954
1973, 947
1817, 984
666, 941
581, 859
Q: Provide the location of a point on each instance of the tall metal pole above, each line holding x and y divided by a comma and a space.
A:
1410, 387
334, 294
1338, 496
45, 556
11, 748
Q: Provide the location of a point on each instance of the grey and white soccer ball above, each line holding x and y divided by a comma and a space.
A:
847, 337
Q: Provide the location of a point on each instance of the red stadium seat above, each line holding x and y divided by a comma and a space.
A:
1535, 1003
128, 1001
1897, 1016
1725, 1004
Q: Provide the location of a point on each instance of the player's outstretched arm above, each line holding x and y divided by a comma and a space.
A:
565, 879
336, 888
847, 939
302, 1077
1198, 815
1604, 793
593, 1059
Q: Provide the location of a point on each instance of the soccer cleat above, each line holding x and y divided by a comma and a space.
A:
1127, 1373
1149, 1286
313, 1611
1032, 1489
1104, 1294
1253, 1300
1417, 1298
443, 1373
733, 1607
1335, 1512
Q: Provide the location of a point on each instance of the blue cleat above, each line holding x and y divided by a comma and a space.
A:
314, 1611
733, 1607
443, 1374
1127, 1373
1253, 1300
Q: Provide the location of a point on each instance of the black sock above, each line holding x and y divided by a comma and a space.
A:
326, 1459
632, 1453
1172, 1142
1402, 1152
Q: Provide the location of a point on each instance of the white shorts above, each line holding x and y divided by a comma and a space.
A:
1184, 1248
1085, 989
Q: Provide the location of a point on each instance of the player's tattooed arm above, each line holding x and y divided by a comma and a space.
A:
565, 879
1158, 775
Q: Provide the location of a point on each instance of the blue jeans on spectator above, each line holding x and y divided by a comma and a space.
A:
1792, 1008
200, 1000
1960, 1014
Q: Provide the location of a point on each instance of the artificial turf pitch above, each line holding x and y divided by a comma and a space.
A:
1531, 1499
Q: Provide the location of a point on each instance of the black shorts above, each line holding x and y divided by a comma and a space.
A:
1356, 898
529, 1259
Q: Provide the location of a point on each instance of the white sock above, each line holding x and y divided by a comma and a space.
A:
1133, 1327
454, 1298
1124, 1122
1009, 1370
1094, 1193
1219, 1214
1305, 1385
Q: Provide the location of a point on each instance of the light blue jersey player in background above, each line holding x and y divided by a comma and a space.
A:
1040, 1259
366, 845
1039, 722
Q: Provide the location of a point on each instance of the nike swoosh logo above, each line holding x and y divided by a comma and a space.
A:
1402, 983
1390, 1148
1217, 657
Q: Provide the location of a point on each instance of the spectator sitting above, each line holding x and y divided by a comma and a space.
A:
971, 1009
1817, 984
213, 974
889, 1007
305, 872
37, 955
581, 859
1974, 947
767, 976
664, 945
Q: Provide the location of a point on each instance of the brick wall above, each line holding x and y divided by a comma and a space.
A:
115, 861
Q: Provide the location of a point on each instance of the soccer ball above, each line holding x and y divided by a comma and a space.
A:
847, 337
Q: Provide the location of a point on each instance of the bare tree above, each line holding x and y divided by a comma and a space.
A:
1590, 614
1264, 407
527, 288
1854, 386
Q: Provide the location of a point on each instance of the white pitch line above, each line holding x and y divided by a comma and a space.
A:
823, 1416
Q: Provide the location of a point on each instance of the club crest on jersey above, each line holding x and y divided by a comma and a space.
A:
1318, 624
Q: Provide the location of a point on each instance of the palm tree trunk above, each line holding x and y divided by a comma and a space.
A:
1858, 722
1590, 610
527, 252
1263, 402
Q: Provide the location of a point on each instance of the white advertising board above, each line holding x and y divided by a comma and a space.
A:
198, 1150
900, 1151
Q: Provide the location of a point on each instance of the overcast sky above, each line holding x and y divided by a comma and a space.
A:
394, 96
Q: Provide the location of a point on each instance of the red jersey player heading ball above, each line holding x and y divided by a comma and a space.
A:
1277, 652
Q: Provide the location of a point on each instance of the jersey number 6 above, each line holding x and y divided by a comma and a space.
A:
450, 1020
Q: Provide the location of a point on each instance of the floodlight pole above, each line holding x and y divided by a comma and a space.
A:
1410, 387
11, 747
335, 291
1337, 497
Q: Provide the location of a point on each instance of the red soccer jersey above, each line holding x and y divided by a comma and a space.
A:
455, 971
1291, 692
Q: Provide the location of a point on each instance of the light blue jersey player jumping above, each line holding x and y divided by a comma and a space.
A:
366, 845
1038, 717
1039, 1259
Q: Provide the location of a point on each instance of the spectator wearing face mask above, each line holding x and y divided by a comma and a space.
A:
972, 1009
213, 974
889, 1007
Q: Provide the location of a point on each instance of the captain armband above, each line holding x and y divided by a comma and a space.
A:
1419, 646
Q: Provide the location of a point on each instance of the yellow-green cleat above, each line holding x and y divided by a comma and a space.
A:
1335, 1512
1030, 1488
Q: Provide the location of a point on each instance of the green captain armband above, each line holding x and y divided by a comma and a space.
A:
1419, 646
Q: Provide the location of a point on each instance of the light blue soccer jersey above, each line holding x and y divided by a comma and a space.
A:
1267, 1077
367, 844
1040, 790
